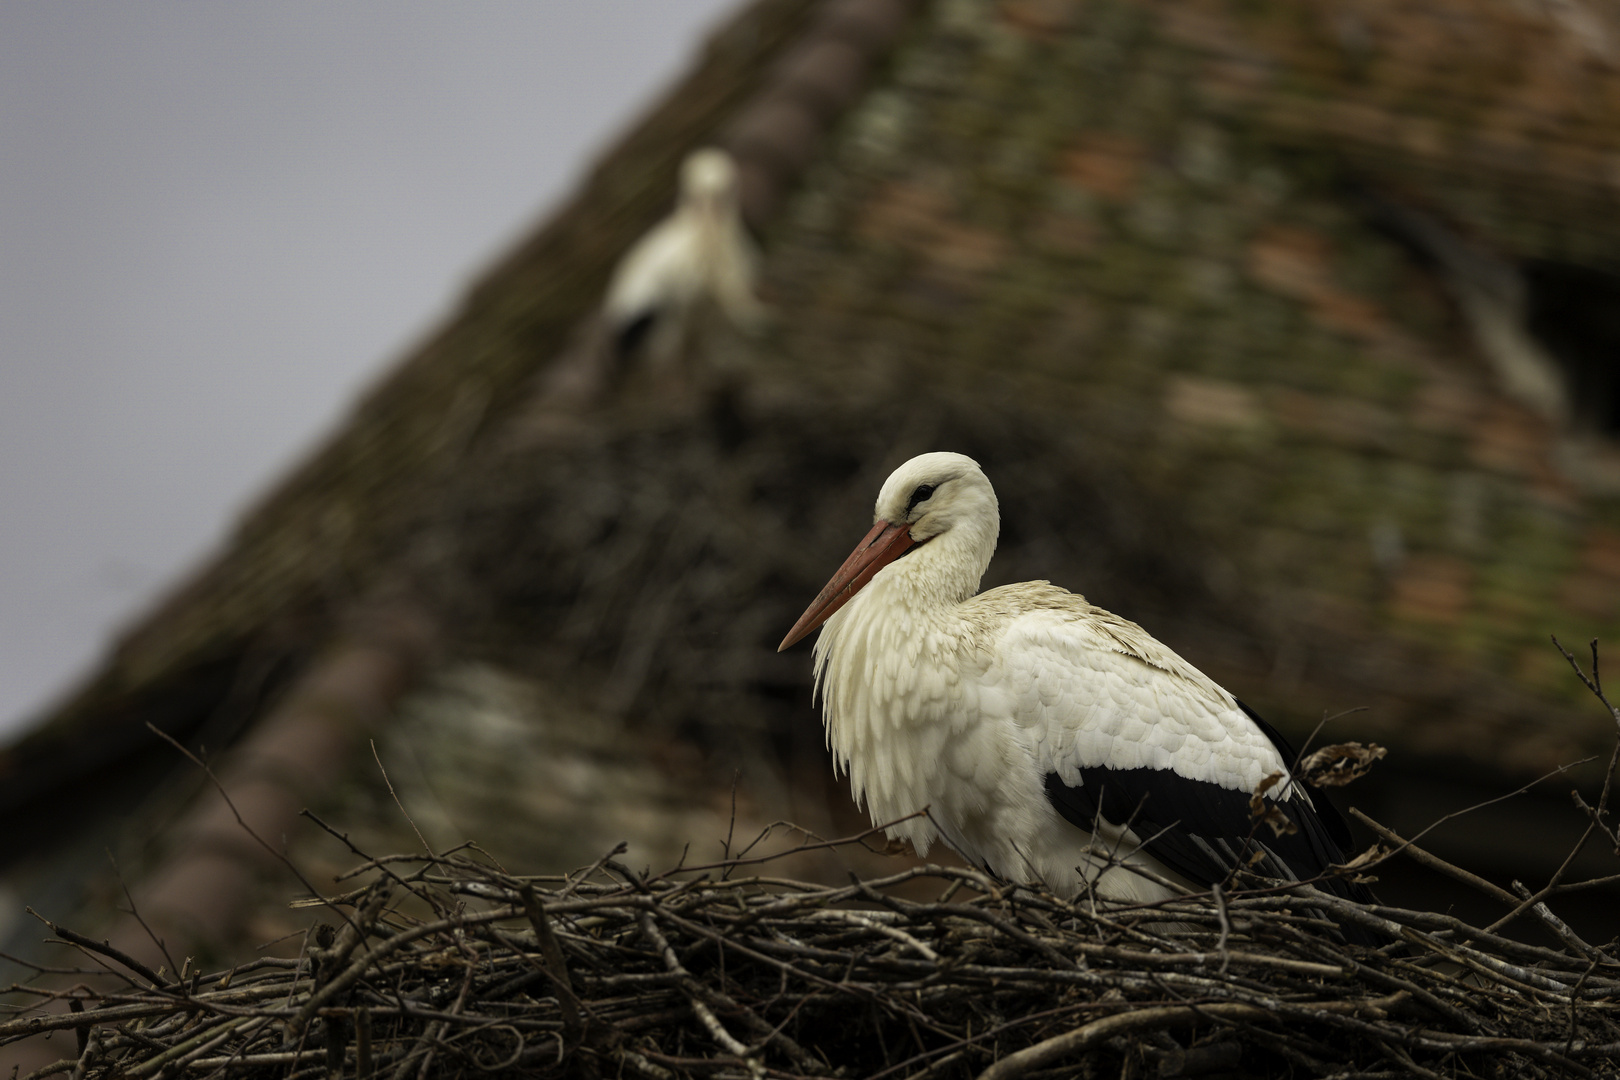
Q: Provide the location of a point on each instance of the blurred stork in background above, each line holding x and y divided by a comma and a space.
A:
699, 254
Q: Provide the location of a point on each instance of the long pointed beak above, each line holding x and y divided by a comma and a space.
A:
884, 544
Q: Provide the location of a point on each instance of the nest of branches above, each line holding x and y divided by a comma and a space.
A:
449, 964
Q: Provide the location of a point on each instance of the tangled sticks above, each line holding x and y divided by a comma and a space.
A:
449, 965
703, 973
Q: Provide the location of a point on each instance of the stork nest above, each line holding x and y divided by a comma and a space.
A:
449, 964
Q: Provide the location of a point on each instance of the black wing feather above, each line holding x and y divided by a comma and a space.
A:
630, 333
1332, 820
1200, 830
1203, 831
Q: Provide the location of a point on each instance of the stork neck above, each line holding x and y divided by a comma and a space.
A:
940, 572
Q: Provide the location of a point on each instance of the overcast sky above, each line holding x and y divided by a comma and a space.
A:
219, 220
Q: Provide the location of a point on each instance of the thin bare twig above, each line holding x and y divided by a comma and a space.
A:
375, 756
276, 853
104, 948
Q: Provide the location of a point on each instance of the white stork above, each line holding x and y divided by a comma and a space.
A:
1037, 729
701, 252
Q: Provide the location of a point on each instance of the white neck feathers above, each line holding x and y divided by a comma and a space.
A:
886, 672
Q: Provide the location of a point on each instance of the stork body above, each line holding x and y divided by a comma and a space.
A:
700, 252
1048, 738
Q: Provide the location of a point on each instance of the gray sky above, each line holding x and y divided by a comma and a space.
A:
219, 220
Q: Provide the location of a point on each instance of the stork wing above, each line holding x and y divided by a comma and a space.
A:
661, 270
1200, 830
1128, 733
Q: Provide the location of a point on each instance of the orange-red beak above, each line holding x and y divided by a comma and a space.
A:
884, 544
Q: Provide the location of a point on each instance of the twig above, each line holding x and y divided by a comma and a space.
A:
1432, 861
1226, 927
1560, 928
556, 966
390, 784
705, 1016
1098, 1031
279, 855
135, 913
104, 948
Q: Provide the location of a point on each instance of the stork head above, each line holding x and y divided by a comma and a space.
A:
708, 179
940, 497
934, 493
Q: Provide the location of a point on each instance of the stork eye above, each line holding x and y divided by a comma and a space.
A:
922, 494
